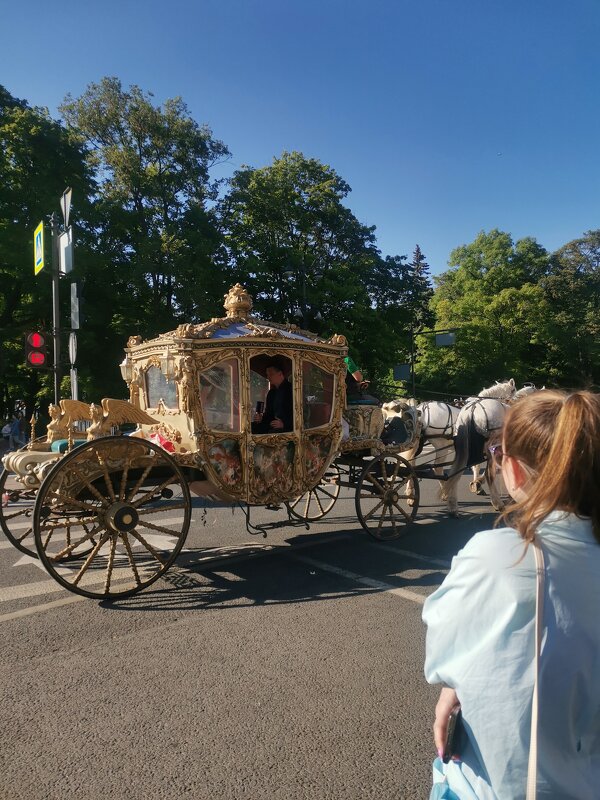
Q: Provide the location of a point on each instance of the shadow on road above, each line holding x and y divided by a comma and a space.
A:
315, 566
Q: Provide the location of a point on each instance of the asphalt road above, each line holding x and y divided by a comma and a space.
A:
288, 667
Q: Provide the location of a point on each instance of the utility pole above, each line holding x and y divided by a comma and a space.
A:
55, 230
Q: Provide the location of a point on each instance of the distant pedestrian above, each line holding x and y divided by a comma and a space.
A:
15, 439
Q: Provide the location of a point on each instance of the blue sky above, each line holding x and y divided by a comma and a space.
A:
446, 117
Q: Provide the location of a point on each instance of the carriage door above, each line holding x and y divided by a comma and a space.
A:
220, 405
273, 458
318, 441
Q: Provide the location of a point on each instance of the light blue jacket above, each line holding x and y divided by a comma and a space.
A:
480, 641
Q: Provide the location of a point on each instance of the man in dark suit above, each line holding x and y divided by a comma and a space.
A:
278, 416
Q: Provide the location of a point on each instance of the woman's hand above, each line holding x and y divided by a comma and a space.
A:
277, 424
446, 702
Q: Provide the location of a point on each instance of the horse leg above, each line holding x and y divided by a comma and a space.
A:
490, 477
441, 457
476, 485
451, 488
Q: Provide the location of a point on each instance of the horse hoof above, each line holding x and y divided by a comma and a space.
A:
454, 513
476, 487
410, 502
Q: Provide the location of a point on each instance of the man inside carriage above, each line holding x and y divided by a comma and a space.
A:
278, 414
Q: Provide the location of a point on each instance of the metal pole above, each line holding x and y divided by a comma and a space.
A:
55, 305
412, 362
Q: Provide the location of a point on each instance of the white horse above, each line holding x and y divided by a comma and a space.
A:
438, 423
479, 474
479, 419
459, 437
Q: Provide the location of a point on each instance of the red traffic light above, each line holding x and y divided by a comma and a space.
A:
36, 340
35, 350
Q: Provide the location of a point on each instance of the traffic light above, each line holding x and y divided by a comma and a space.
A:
36, 353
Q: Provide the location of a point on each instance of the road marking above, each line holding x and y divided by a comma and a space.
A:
215, 556
370, 582
33, 561
23, 591
25, 612
438, 562
6, 546
18, 527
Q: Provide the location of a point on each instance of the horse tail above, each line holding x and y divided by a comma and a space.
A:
469, 443
461, 445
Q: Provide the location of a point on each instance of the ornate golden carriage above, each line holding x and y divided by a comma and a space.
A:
203, 382
108, 514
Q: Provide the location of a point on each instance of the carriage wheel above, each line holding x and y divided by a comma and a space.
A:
126, 496
387, 496
319, 500
16, 520
16, 517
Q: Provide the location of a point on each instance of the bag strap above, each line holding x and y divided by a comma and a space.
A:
539, 613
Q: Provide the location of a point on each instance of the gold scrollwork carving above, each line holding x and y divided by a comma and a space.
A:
185, 331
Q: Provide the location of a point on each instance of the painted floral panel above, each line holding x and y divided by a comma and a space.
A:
316, 453
224, 458
274, 469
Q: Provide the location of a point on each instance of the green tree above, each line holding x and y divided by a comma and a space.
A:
492, 296
38, 160
421, 290
572, 291
153, 252
306, 258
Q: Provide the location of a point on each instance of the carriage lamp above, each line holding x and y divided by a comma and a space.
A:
126, 367
167, 365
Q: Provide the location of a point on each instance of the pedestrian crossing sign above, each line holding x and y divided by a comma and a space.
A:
38, 249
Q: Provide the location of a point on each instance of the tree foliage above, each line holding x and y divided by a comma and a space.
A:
307, 258
154, 166
518, 312
159, 241
572, 290
152, 248
38, 159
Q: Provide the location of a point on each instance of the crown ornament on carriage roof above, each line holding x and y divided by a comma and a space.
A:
238, 303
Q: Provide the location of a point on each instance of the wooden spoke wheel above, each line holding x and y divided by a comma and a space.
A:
16, 520
387, 496
119, 510
16, 516
318, 501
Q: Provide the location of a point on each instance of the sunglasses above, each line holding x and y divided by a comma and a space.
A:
497, 453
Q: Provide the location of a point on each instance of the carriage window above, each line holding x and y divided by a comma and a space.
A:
220, 396
158, 388
271, 393
317, 395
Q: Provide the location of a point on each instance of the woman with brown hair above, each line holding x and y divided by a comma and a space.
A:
481, 637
